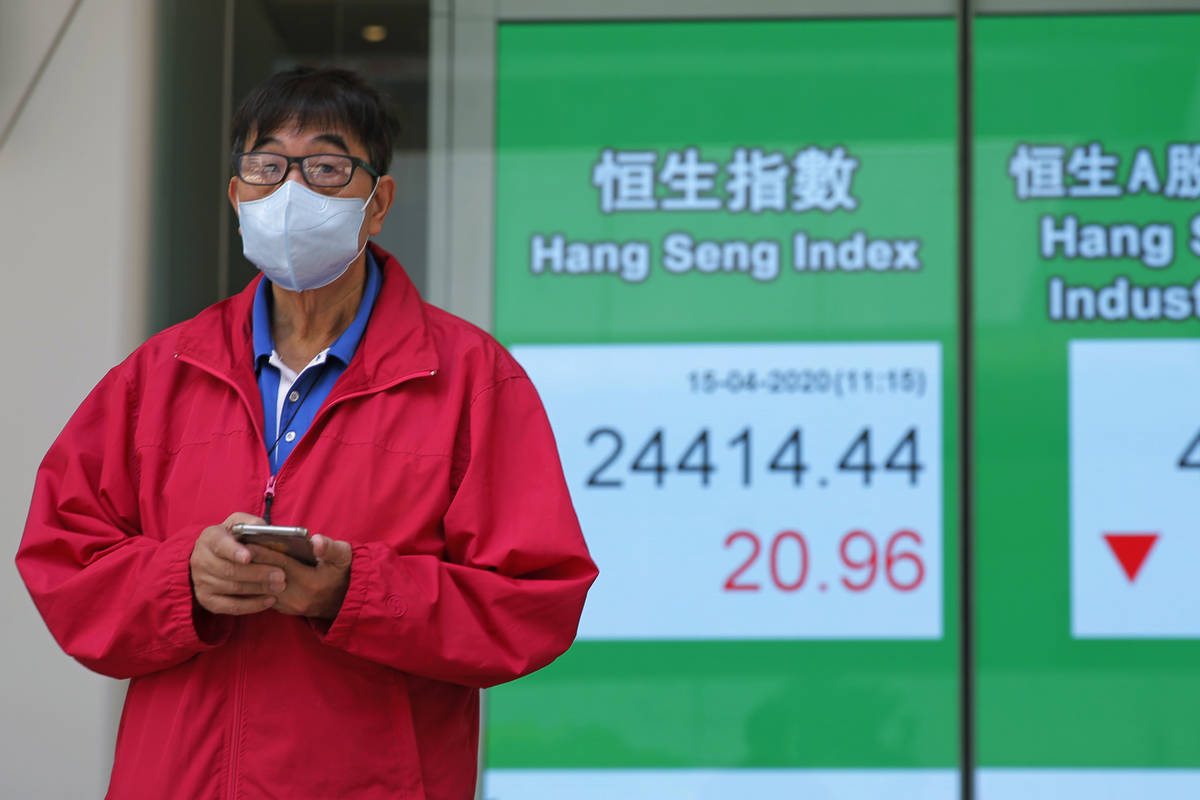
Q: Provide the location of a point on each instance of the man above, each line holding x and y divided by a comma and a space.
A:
325, 395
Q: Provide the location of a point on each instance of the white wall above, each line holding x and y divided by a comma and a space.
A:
74, 210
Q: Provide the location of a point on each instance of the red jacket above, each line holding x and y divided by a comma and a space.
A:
432, 456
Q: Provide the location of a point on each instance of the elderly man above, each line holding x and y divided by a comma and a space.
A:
325, 395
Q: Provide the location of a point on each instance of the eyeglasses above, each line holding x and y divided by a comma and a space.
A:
326, 170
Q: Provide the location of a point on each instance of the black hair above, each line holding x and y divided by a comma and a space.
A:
326, 96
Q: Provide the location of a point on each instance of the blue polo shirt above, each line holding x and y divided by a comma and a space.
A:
286, 424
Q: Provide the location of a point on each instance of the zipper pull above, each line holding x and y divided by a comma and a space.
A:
268, 499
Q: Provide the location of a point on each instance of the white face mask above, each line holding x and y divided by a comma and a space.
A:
302, 239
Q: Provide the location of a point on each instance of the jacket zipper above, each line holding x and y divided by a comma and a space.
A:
268, 499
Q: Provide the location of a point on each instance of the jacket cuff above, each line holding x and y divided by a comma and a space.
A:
364, 570
189, 625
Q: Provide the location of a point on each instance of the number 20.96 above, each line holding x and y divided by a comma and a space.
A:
789, 562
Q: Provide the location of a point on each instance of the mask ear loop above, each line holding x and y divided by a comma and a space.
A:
371, 196
364, 208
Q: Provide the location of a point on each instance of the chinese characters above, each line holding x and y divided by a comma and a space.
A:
1047, 171
755, 180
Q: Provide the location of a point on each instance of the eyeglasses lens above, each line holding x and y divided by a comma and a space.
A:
327, 170
262, 168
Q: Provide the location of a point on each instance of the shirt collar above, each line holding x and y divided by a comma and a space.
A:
344, 346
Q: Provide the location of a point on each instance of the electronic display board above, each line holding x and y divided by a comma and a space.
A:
1087, 427
726, 253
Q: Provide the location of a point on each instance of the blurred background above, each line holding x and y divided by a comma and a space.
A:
867, 329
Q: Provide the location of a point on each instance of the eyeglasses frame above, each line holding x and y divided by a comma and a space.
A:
356, 163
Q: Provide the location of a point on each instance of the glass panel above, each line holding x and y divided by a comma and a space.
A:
1087, 168
726, 253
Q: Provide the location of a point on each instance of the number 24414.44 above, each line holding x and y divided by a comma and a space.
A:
698, 457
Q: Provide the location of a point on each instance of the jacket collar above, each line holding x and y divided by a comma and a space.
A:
395, 346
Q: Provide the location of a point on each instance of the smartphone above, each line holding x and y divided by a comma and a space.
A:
289, 540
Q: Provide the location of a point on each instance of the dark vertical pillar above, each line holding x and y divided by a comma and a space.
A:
188, 183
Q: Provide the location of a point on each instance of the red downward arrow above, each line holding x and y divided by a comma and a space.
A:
1131, 550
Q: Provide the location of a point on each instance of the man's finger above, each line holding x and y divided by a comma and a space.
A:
273, 585
230, 549
267, 556
223, 604
241, 516
211, 568
332, 551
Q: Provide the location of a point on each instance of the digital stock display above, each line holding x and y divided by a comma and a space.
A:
727, 254
731, 273
1086, 260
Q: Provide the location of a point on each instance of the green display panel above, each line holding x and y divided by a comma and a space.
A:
1087, 464
726, 254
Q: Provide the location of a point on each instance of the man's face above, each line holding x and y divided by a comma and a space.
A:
296, 142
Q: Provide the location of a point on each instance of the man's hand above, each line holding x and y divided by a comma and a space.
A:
224, 580
315, 592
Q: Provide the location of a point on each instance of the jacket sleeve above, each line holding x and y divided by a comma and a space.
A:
118, 602
507, 599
